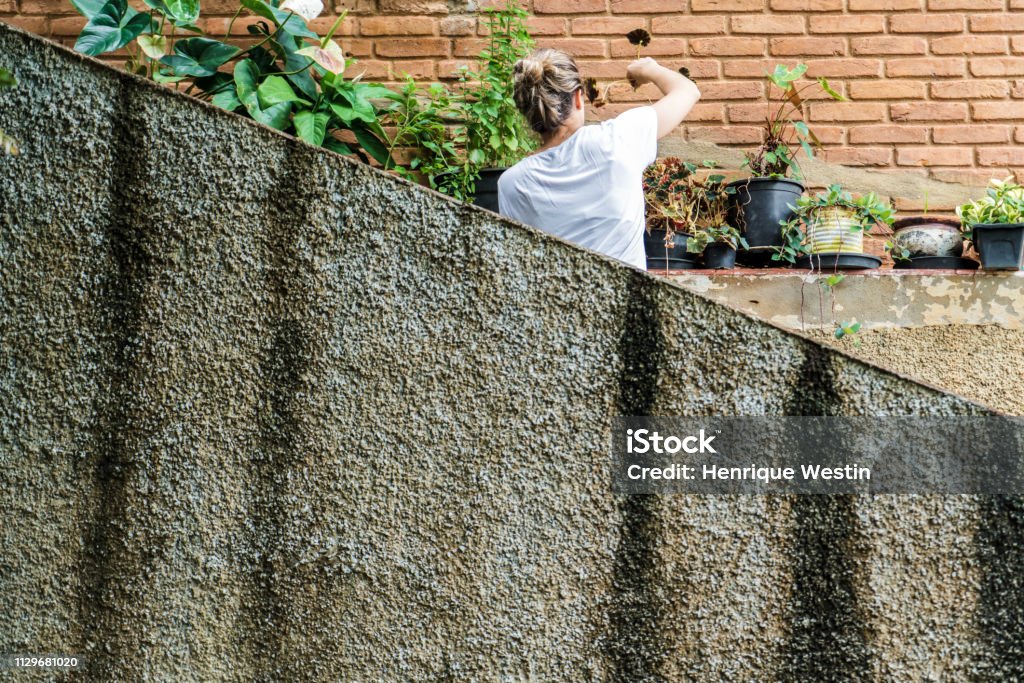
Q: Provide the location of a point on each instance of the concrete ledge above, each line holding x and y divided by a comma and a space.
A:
878, 299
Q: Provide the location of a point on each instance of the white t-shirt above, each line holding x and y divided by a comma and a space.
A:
589, 189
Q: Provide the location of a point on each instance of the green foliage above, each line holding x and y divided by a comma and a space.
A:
786, 131
725, 234
1003, 203
8, 145
289, 78
847, 329
867, 211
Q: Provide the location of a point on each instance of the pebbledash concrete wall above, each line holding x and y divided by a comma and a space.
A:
267, 414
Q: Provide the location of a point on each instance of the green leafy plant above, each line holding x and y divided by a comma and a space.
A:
867, 211
666, 186
493, 133
420, 120
704, 236
847, 329
8, 144
290, 78
786, 129
1003, 203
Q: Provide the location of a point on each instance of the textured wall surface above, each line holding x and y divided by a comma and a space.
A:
266, 414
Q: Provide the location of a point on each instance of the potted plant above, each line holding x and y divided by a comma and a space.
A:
667, 199
718, 244
927, 242
827, 230
712, 236
761, 202
493, 134
995, 224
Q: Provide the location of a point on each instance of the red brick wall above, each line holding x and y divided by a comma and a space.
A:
936, 86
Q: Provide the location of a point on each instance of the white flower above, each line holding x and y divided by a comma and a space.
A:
330, 57
307, 9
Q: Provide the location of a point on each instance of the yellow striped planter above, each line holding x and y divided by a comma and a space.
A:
834, 231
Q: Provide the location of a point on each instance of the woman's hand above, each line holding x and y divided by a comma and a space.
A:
642, 71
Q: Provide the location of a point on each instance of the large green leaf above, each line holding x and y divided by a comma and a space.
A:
311, 127
153, 46
275, 90
372, 144
227, 99
350, 105
181, 12
88, 8
111, 28
290, 22
246, 75
299, 74
199, 56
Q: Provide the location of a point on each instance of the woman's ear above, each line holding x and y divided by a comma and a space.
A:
577, 99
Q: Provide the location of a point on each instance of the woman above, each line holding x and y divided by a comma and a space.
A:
585, 183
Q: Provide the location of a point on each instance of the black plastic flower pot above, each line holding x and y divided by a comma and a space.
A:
660, 257
486, 195
757, 209
487, 188
1000, 245
719, 256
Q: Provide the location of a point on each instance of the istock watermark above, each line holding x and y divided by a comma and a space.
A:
818, 455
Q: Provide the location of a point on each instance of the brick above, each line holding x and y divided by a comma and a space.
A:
396, 26
970, 90
883, 5
1017, 45
1019, 134
323, 24
569, 6
748, 113
450, 68
969, 45
748, 68
544, 26
415, 47
370, 69
463, 47
896, 68
687, 25
355, 47
663, 47
67, 26
49, 7
942, 5
807, 5
421, 69
578, 47
997, 66
718, 47
707, 113
623, 92
997, 23
857, 156
647, 6
973, 134
605, 26
887, 90
457, 26
732, 90
830, 135
967, 176
766, 25
807, 47
736, 135
929, 111
1018, 90
843, 68
37, 25
847, 111
841, 25
1001, 156
888, 134
927, 23
410, 6
888, 45
356, 7
934, 156
987, 111
726, 6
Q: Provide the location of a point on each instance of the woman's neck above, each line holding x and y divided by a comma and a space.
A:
558, 136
